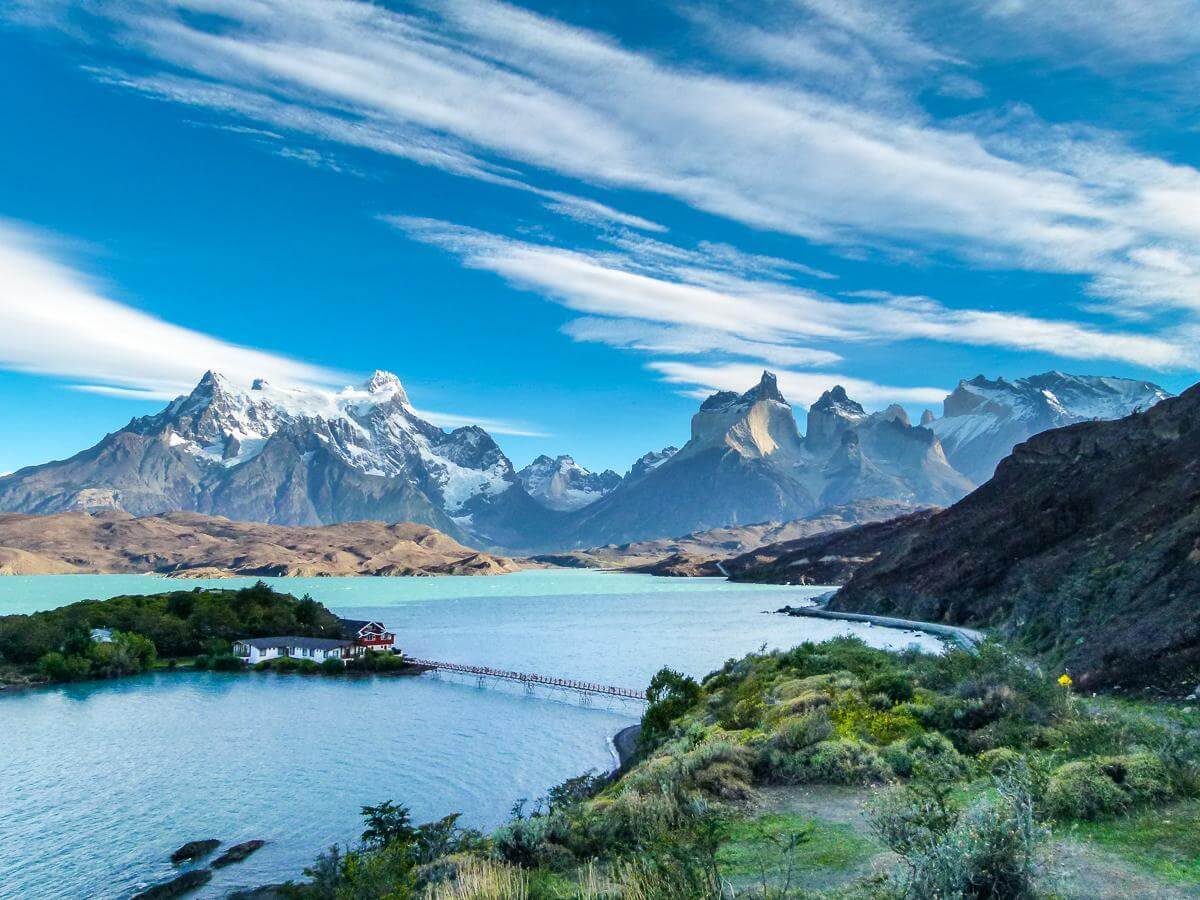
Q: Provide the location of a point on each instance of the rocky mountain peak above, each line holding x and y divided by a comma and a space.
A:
563, 484
895, 413
766, 389
385, 384
831, 416
927, 418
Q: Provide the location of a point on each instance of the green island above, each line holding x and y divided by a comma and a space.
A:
128, 635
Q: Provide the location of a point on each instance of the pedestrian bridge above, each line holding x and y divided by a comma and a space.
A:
531, 680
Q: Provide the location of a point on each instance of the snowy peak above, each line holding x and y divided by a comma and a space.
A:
385, 384
984, 418
830, 417
370, 428
648, 462
563, 484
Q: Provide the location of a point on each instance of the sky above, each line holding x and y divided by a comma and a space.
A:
567, 221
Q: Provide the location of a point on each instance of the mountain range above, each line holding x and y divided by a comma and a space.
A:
1084, 547
304, 456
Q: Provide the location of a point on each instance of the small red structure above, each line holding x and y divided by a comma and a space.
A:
369, 634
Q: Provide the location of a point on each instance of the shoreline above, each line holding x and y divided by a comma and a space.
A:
967, 638
624, 743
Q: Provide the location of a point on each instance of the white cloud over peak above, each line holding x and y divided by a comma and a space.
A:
722, 311
55, 321
800, 388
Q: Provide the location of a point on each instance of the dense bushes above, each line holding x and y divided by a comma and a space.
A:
177, 623
1094, 788
82, 658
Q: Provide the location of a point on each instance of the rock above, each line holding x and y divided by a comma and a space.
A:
194, 850
266, 892
236, 853
178, 886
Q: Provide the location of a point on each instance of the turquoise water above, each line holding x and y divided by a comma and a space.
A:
100, 782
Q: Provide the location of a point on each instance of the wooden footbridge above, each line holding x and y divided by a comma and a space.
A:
531, 680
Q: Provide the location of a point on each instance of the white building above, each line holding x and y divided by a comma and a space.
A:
255, 650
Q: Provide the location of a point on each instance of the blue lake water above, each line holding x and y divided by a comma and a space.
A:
100, 782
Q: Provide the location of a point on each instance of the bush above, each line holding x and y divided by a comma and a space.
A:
1000, 761
798, 732
308, 667
59, 667
990, 852
826, 762
227, 663
333, 666
1141, 775
896, 687
1083, 790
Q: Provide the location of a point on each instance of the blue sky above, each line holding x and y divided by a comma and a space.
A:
566, 221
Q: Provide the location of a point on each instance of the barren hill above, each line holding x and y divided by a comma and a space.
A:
190, 544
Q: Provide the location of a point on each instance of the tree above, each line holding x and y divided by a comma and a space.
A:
670, 695
386, 823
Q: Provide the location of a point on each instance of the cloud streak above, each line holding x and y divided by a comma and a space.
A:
715, 309
493, 92
54, 321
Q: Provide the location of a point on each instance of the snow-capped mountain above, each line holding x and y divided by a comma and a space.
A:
984, 419
563, 484
280, 455
746, 462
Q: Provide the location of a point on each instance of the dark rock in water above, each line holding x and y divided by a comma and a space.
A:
237, 853
177, 887
266, 892
194, 850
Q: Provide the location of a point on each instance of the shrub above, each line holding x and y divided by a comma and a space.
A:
798, 732
333, 666
1000, 761
827, 762
59, 667
1141, 775
227, 663
991, 851
670, 695
308, 667
853, 719
896, 687
1083, 790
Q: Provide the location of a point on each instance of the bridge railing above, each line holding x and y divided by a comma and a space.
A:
531, 678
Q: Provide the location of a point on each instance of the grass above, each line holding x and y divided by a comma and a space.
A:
829, 848
1164, 841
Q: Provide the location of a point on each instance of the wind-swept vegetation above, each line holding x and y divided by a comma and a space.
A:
973, 762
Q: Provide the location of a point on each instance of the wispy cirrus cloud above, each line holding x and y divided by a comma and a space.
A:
500, 94
56, 321
733, 312
800, 388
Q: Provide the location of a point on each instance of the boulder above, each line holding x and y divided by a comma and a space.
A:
178, 886
194, 850
237, 853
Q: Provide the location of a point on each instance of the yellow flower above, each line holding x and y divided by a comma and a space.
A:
1065, 680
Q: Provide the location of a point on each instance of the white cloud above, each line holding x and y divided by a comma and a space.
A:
1098, 32
800, 388
478, 87
54, 321
632, 334
709, 301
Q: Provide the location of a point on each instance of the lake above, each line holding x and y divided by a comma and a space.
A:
101, 781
